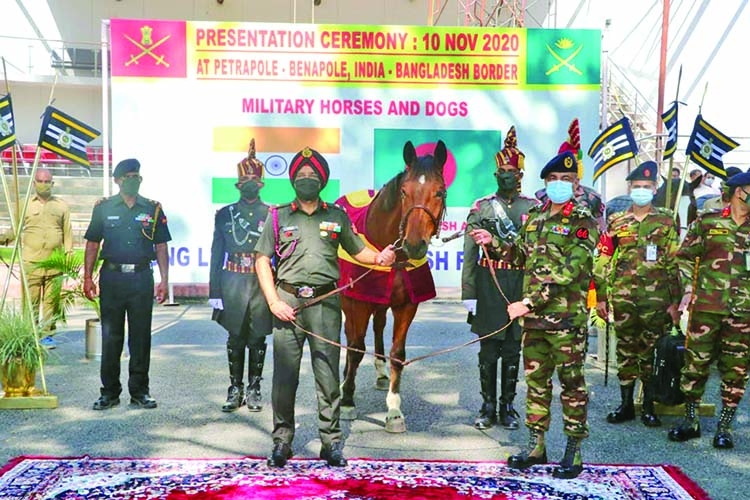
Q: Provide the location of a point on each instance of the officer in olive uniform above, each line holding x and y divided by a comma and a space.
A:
557, 245
234, 293
718, 287
304, 237
132, 231
491, 219
644, 287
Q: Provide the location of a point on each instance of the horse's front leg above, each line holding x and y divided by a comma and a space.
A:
378, 327
402, 318
357, 315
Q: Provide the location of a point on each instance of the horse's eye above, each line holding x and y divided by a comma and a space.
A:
441, 194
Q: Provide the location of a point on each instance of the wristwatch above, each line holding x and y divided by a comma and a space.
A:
527, 302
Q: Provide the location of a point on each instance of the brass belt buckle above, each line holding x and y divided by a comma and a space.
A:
127, 268
305, 292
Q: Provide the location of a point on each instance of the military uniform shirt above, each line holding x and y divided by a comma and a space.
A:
308, 244
723, 277
46, 227
644, 268
558, 251
129, 233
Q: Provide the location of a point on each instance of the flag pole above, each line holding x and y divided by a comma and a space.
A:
671, 157
687, 160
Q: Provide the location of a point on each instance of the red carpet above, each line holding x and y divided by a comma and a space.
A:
231, 479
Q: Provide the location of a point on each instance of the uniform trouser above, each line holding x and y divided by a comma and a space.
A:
505, 345
121, 295
323, 319
39, 291
543, 351
637, 331
719, 337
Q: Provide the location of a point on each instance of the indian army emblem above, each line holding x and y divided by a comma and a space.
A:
146, 35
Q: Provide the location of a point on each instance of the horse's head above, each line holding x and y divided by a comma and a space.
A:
422, 199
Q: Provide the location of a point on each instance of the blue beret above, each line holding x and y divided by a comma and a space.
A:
733, 171
125, 167
741, 179
564, 162
646, 171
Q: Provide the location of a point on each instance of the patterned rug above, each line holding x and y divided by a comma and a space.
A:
230, 479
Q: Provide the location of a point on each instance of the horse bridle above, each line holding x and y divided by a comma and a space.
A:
437, 222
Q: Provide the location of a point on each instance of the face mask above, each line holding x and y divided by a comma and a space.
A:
307, 189
709, 181
506, 181
641, 196
250, 190
130, 185
43, 190
747, 197
559, 191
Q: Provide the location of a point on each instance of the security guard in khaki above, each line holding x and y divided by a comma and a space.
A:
303, 237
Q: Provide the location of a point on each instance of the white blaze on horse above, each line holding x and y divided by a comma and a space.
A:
407, 212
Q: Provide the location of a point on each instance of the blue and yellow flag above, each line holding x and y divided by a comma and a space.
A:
615, 144
66, 136
707, 146
670, 123
7, 123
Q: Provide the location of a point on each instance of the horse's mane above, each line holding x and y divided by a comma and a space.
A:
391, 191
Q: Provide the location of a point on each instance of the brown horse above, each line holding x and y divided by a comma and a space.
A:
406, 212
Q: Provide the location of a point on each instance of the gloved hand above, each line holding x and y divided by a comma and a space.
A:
471, 305
216, 304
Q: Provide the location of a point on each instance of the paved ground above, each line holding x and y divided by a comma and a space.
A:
440, 398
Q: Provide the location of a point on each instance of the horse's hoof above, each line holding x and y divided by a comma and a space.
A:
395, 424
348, 413
382, 384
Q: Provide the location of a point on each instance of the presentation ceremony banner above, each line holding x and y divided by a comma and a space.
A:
187, 97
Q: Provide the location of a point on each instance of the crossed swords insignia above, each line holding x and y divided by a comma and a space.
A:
564, 44
147, 47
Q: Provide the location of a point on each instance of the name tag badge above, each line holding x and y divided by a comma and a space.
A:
650, 252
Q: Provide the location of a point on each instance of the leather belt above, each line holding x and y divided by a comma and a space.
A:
126, 268
306, 292
243, 263
497, 264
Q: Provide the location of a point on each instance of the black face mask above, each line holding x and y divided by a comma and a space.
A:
130, 185
507, 182
250, 190
307, 189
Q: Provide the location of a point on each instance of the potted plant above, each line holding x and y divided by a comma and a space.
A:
21, 355
67, 290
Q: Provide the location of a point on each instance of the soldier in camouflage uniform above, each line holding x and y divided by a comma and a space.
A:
233, 290
557, 246
644, 288
305, 236
493, 219
718, 285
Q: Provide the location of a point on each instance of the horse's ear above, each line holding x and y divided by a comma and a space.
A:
410, 154
440, 154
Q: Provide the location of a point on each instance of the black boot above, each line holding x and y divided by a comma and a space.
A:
648, 414
254, 373
488, 379
571, 464
690, 427
626, 410
236, 391
723, 437
534, 454
507, 415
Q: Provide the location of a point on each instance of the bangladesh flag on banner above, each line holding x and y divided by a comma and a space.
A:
563, 57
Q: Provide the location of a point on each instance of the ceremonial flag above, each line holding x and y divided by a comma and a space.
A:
66, 136
7, 123
670, 122
615, 144
707, 146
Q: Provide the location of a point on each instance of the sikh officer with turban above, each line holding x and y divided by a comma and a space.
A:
494, 219
238, 302
303, 239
